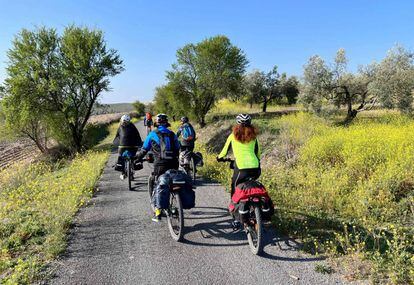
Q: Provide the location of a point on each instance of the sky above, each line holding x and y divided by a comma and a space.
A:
283, 33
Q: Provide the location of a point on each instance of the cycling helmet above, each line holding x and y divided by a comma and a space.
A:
244, 119
184, 119
125, 118
161, 119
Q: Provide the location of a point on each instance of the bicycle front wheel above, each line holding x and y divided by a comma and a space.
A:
175, 217
130, 174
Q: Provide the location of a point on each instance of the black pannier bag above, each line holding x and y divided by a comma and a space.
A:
198, 159
187, 194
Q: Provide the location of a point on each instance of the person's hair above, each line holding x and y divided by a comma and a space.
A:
245, 133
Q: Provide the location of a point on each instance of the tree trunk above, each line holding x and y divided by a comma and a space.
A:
351, 113
264, 107
202, 121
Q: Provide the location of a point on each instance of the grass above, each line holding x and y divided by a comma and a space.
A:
342, 190
38, 204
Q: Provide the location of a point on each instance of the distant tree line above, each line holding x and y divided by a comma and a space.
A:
387, 84
214, 69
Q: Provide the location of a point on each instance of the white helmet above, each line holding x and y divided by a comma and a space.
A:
125, 118
245, 119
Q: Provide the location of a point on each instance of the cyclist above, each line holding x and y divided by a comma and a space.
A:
187, 137
128, 138
246, 151
148, 122
165, 146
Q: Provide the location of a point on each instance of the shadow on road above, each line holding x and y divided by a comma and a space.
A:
218, 232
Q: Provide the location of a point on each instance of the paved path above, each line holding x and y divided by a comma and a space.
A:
114, 241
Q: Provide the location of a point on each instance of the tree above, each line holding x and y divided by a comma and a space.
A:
254, 82
33, 73
290, 89
169, 100
333, 84
139, 107
87, 67
55, 81
206, 72
265, 87
394, 81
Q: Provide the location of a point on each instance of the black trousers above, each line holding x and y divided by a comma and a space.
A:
243, 175
161, 167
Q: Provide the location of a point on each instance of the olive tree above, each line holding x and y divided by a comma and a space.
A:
207, 71
265, 87
334, 84
394, 81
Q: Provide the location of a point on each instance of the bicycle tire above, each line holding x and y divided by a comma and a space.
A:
176, 234
256, 247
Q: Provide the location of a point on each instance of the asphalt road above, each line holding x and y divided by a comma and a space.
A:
114, 241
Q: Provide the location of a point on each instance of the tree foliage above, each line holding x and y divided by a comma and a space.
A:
264, 87
205, 72
55, 81
334, 84
139, 107
394, 81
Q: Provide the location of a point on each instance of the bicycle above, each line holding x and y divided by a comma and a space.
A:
174, 212
191, 167
251, 218
128, 167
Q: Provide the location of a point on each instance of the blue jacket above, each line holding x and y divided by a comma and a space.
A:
153, 140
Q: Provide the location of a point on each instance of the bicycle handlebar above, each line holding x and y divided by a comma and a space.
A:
227, 159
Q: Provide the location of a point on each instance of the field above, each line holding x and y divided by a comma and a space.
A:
19, 149
345, 191
114, 108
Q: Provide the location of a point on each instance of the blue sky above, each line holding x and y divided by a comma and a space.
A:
284, 33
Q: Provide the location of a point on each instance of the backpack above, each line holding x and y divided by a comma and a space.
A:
166, 152
188, 133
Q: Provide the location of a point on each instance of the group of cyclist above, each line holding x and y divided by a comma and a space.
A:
173, 149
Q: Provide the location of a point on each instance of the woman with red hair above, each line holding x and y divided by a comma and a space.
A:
246, 150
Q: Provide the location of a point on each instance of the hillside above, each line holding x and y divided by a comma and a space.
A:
344, 191
113, 108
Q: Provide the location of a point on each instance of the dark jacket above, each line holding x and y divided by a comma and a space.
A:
128, 135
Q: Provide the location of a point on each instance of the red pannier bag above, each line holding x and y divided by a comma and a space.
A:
249, 189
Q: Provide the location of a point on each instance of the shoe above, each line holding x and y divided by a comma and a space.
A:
157, 216
236, 225
122, 176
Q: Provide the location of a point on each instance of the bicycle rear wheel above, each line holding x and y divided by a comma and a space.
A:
255, 232
193, 169
175, 217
